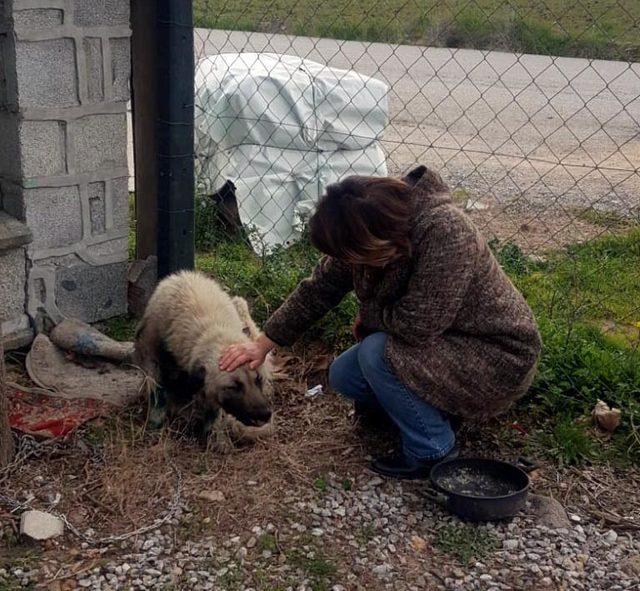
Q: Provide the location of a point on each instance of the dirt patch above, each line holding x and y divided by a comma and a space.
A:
300, 506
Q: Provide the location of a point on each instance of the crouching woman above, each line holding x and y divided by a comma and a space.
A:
442, 331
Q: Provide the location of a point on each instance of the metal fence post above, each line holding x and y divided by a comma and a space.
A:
174, 135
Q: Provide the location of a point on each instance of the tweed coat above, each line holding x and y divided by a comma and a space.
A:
459, 333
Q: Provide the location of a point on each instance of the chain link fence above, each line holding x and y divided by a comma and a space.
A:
541, 150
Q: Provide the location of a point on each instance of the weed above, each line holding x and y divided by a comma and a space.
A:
466, 542
610, 220
267, 542
120, 328
365, 534
316, 566
568, 443
320, 484
231, 580
347, 485
460, 196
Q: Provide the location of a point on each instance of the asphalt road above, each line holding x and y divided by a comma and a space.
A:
504, 127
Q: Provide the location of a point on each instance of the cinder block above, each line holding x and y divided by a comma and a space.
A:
120, 203
100, 142
95, 78
47, 73
42, 148
92, 293
98, 13
110, 250
34, 19
97, 211
55, 216
120, 68
12, 286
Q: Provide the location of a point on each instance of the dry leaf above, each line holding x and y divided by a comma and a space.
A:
606, 418
418, 544
214, 496
280, 364
321, 362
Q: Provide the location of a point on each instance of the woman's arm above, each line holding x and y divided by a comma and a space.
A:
445, 262
309, 302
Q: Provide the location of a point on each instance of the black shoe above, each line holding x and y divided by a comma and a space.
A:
400, 466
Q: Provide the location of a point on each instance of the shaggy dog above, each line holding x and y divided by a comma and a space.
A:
189, 321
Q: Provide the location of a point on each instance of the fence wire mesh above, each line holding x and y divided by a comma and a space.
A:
530, 110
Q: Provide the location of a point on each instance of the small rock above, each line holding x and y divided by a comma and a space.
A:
548, 512
381, 570
631, 565
316, 531
575, 518
337, 588
510, 545
252, 542
611, 537
486, 577
475, 205
40, 525
375, 481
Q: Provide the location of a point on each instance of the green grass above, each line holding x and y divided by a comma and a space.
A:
568, 442
120, 328
466, 542
587, 303
607, 29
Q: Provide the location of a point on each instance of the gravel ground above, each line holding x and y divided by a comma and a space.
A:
365, 533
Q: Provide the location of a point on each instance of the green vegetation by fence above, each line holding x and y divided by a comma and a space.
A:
603, 29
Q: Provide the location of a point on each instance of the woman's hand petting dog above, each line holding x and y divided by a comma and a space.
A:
253, 353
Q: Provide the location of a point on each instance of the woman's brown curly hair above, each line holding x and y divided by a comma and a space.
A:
364, 220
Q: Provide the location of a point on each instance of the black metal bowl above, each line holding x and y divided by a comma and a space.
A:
478, 489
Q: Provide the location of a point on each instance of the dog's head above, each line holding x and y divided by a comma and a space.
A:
242, 393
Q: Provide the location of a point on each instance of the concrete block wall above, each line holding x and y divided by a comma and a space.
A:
67, 88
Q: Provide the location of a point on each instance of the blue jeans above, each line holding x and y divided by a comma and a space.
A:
363, 375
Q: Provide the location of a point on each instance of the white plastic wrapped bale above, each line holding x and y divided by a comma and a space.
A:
281, 128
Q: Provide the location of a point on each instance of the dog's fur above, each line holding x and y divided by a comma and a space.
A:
189, 321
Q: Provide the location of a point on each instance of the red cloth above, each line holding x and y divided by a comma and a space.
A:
46, 416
